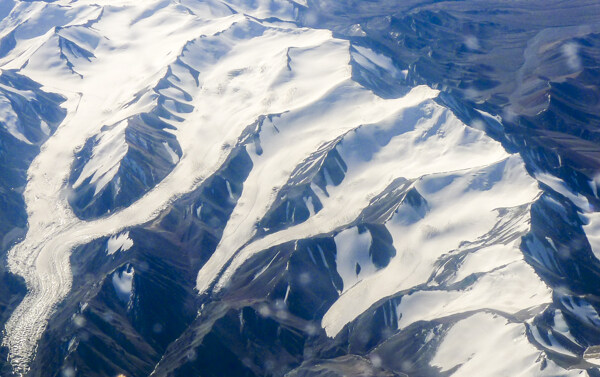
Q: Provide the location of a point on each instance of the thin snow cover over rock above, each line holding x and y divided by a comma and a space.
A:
590, 218
550, 339
106, 157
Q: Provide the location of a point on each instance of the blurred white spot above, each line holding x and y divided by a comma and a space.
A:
311, 329
407, 366
471, 42
191, 355
364, 336
68, 372
509, 114
107, 317
311, 18
478, 125
571, 52
264, 310
375, 360
473, 94
79, 321
304, 278
84, 336
280, 305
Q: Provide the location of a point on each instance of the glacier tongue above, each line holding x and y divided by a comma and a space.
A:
127, 58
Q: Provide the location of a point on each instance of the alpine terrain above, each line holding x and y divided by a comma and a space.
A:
308, 188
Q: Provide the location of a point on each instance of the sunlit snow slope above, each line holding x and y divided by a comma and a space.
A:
229, 184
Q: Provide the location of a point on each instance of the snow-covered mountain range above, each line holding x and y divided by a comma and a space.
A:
299, 188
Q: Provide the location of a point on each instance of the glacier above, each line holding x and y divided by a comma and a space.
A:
299, 188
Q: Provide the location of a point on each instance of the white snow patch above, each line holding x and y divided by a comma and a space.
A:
120, 242
593, 360
592, 231
45, 128
174, 157
378, 59
229, 192
310, 206
496, 118
550, 342
123, 282
352, 250
559, 186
